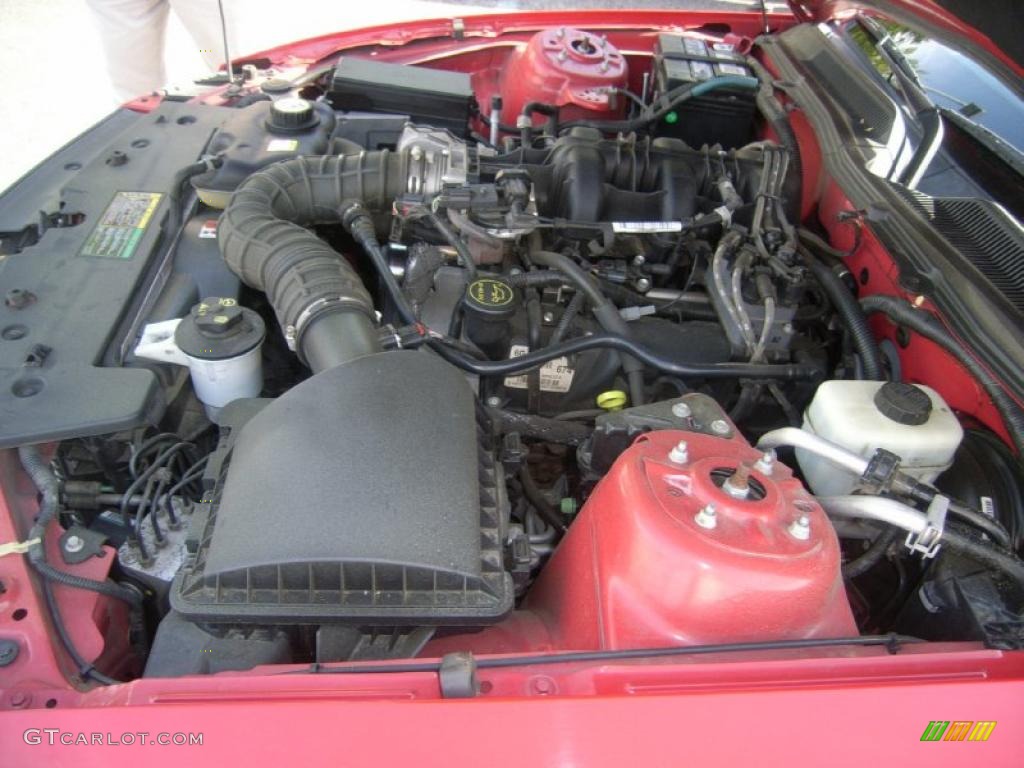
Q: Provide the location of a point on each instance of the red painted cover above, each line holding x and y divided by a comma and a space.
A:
638, 569
567, 67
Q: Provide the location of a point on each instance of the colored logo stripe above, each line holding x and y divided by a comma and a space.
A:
982, 730
958, 730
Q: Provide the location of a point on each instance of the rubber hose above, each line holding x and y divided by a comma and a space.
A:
640, 351
606, 313
902, 313
568, 316
671, 100
775, 115
357, 221
453, 239
181, 176
544, 507
872, 555
540, 427
85, 669
264, 239
852, 315
966, 543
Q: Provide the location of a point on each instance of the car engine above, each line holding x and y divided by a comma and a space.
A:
424, 359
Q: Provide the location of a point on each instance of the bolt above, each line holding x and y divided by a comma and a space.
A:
720, 427
548, 317
738, 484
639, 260
788, 327
766, 464
706, 518
801, 528
562, 55
542, 685
560, 33
74, 544
493, 401
416, 153
19, 298
642, 284
8, 652
681, 411
679, 453
604, 66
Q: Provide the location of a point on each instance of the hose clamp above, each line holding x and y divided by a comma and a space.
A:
293, 331
929, 540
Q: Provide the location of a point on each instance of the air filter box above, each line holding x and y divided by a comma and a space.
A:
429, 96
352, 499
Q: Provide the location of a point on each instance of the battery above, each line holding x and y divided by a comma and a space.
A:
428, 96
724, 116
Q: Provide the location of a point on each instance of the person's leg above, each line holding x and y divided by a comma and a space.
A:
132, 32
201, 18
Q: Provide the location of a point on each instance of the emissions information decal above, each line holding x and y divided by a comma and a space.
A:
555, 375
121, 226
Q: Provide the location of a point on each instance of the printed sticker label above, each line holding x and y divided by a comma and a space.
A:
282, 145
122, 225
555, 375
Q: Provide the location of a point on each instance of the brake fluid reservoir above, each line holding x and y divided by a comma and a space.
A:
909, 420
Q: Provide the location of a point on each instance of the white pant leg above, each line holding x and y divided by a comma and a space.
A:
201, 19
132, 32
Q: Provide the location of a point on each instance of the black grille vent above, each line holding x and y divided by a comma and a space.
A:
984, 234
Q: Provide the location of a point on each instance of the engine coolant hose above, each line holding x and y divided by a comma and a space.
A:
902, 313
321, 303
853, 317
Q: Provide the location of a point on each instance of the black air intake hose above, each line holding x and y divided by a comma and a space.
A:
325, 310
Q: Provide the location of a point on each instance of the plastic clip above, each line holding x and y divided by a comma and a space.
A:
928, 541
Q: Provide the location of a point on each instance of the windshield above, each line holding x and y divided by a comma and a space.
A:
953, 81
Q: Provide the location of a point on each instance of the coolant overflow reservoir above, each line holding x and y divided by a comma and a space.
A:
219, 342
912, 421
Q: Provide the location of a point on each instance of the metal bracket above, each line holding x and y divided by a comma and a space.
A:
928, 541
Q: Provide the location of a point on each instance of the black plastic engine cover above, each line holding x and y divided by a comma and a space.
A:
361, 495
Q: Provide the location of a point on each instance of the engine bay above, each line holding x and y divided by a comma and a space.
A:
392, 361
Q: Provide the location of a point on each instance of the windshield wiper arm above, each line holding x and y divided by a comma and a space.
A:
928, 115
